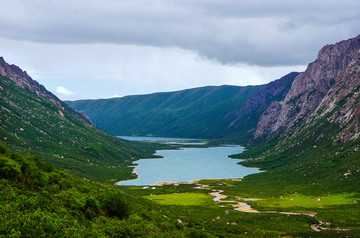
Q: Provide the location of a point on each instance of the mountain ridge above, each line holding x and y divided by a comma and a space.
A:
23, 80
312, 90
204, 112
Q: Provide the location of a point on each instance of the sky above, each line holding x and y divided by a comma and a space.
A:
88, 49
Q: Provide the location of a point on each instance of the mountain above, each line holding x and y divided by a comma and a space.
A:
33, 120
197, 113
207, 112
312, 135
246, 117
328, 89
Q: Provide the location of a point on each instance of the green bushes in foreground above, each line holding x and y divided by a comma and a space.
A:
37, 200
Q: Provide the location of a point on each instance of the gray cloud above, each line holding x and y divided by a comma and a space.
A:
254, 32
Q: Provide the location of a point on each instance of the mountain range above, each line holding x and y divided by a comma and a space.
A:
207, 112
329, 86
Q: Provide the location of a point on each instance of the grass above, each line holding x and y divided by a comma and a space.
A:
181, 199
196, 208
300, 200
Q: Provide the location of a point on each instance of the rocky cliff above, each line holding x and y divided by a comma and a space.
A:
23, 80
328, 88
260, 101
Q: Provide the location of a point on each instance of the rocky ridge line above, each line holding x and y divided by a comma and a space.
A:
330, 79
23, 80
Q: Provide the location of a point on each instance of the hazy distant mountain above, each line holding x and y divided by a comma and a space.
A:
207, 112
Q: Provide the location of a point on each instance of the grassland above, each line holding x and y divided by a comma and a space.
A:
293, 215
181, 199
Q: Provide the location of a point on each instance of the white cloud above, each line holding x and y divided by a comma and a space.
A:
63, 91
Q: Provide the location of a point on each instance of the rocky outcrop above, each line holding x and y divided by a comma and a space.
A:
332, 78
260, 101
23, 80
342, 102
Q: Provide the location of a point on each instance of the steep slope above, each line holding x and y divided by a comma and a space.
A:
317, 124
330, 85
35, 121
312, 143
246, 117
198, 112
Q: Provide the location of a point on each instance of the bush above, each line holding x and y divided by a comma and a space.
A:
91, 207
115, 204
9, 169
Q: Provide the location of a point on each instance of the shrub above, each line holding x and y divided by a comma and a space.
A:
115, 204
9, 169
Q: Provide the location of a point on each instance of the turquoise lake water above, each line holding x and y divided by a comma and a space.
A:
190, 164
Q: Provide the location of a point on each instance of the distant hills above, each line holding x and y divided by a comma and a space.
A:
207, 112
33, 120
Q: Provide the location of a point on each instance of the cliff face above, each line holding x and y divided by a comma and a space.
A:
331, 79
260, 101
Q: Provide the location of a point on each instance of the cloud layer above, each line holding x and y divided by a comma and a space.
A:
118, 47
267, 33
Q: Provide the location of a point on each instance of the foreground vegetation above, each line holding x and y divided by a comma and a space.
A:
37, 200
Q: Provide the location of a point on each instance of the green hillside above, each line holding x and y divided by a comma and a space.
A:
56, 133
230, 112
197, 113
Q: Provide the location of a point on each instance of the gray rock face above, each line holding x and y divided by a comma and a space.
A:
259, 102
244, 119
325, 82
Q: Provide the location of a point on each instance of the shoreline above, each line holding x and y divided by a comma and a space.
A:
193, 181
161, 183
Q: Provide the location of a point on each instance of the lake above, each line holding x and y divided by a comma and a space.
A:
189, 164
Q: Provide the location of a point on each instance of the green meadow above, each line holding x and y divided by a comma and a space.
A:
181, 199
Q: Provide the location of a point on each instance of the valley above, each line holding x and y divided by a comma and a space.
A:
58, 166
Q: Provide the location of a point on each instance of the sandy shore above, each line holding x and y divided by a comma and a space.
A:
170, 183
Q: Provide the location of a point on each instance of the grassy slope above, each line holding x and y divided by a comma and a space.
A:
33, 125
198, 112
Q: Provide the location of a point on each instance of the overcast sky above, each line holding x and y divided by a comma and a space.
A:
104, 48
